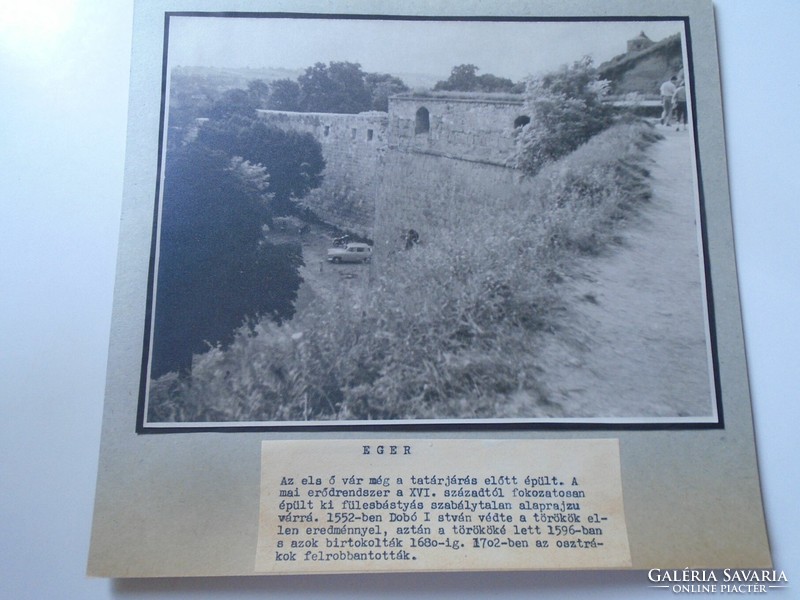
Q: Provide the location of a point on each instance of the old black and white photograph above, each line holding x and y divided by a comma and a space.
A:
402, 220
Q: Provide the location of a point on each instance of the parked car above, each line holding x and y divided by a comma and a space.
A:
352, 252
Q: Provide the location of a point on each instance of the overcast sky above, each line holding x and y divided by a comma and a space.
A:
513, 50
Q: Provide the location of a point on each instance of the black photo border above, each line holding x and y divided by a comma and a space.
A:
143, 427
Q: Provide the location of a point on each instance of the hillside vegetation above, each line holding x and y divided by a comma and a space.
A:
448, 328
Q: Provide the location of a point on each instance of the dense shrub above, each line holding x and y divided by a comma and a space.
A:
293, 161
446, 329
566, 110
215, 269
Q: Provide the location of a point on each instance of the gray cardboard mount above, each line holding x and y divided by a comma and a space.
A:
187, 504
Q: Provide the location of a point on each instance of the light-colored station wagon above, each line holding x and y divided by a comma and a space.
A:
353, 252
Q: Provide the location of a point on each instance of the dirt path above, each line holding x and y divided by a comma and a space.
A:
634, 344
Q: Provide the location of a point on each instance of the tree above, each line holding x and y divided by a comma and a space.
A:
233, 102
338, 88
463, 78
190, 97
293, 160
566, 109
381, 86
258, 90
216, 270
284, 95
492, 83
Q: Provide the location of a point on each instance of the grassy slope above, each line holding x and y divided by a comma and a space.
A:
448, 329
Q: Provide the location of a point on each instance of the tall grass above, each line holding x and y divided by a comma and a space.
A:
447, 329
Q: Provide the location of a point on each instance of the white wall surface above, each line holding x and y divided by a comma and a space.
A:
63, 102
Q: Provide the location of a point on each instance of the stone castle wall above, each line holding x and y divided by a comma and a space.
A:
472, 131
353, 147
468, 134
475, 130
430, 194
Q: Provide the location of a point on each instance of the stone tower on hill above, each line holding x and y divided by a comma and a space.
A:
640, 42
645, 66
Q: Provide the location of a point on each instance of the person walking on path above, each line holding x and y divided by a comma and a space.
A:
679, 100
667, 91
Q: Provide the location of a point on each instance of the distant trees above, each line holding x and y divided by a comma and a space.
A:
465, 78
335, 87
566, 109
284, 95
237, 101
215, 268
190, 97
381, 86
232, 102
338, 87
258, 90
